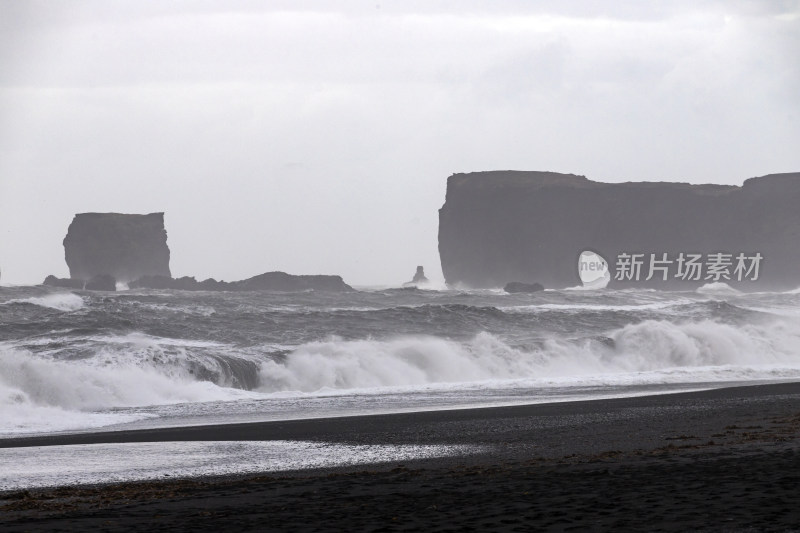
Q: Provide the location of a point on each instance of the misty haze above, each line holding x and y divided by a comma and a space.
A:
361, 266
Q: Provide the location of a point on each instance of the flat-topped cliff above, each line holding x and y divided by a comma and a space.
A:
123, 246
503, 226
105, 248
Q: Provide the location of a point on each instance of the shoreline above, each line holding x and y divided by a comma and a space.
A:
366, 428
172, 421
715, 460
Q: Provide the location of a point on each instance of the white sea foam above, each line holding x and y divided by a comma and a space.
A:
580, 308
578, 288
50, 466
143, 340
63, 301
718, 288
39, 392
646, 347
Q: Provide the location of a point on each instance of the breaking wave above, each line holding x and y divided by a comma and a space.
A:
142, 371
647, 347
65, 301
38, 393
718, 288
102, 360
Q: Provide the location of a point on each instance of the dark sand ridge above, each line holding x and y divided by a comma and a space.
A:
716, 460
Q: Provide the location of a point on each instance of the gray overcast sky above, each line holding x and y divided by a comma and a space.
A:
316, 137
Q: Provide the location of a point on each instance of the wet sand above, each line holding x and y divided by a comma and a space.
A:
722, 460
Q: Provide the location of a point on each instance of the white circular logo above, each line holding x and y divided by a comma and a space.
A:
593, 270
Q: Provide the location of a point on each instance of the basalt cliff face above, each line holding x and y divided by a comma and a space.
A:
503, 226
123, 246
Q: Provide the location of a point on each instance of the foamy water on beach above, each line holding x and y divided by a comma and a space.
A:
73, 361
88, 464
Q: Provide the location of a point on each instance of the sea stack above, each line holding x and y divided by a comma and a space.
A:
123, 246
419, 276
503, 226
419, 279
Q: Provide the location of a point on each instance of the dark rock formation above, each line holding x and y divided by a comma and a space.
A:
102, 248
281, 281
102, 282
516, 286
123, 246
185, 283
419, 279
67, 283
532, 227
270, 281
419, 276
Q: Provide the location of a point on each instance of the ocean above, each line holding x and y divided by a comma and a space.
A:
88, 361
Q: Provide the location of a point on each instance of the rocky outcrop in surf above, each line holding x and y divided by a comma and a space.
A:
67, 283
269, 281
104, 248
281, 281
516, 286
419, 279
502, 226
102, 282
419, 276
123, 246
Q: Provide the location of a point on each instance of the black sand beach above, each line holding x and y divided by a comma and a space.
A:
720, 460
